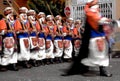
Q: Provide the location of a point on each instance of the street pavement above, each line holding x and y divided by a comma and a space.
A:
53, 73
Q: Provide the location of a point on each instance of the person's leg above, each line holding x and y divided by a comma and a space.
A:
103, 72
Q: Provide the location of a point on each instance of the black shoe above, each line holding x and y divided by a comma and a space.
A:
14, 67
103, 72
42, 62
34, 63
38, 63
47, 61
26, 65
3, 68
52, 61
106, 75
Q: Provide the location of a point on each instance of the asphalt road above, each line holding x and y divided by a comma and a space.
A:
53, 73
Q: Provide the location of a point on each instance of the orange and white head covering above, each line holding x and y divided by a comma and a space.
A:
31, 12
89, 1
104, 20
70, 20
41, 15
8, 10
78, 21
58, 17
94, 8
23, 10
49, 17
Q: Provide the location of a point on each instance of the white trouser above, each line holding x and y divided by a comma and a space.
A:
77, 47
58, 50
33, 54
9, 56
24, 52
49, 51
42, 54
97, 57
68, 51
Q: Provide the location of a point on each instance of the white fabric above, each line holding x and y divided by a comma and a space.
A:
24, 9
76, 50
9, 56
42, 54
41, 13
49, 51
8, 8
58, 51
68, 51
89, 1
24, 52
96, 58
118, 23
32, 46
34, 55
103, 20
94, 6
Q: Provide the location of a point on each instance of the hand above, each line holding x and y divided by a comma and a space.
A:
9, 31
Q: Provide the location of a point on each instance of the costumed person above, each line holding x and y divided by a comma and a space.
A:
1, 44
11, 27
41, 38
94, 49
49, 39
3, 29
58, 40
35, 29
98, 45
41, 18
76, 35
67, 40
24, 43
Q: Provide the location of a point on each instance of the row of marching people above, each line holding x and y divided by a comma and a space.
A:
29, 39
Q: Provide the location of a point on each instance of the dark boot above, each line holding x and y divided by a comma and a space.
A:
34, 63
26, 64
103, 72
42, 62
60, 60
38, 63
76, 68
3, 68
47, 61
51, 61
14, 67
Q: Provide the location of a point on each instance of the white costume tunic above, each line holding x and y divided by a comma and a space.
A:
58, 43
98, 51
41, 45
24, 54
33, 46
68, 48
49, 47
10, 56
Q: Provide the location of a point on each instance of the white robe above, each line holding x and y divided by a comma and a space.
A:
96, 57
